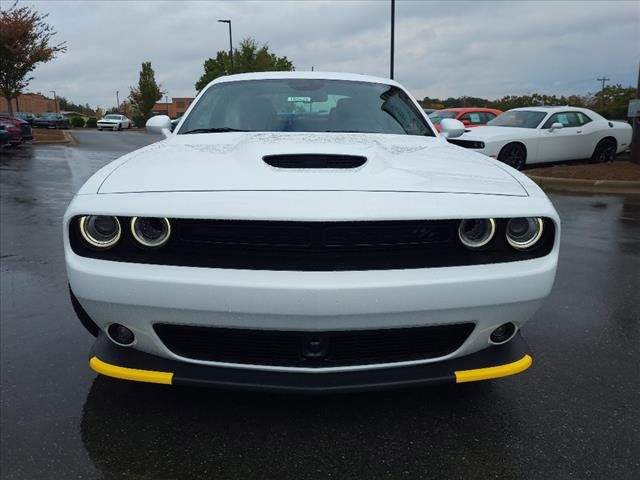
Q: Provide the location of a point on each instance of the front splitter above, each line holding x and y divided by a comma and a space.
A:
497, 361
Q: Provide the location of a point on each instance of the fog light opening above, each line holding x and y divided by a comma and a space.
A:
120, 334
503, 333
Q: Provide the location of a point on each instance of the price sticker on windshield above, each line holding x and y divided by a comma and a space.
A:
299, 99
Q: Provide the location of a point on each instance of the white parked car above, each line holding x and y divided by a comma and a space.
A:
113, 122
308, 231
525, 136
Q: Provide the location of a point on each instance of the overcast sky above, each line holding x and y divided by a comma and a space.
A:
486, 49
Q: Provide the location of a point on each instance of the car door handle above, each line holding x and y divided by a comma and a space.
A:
579, 131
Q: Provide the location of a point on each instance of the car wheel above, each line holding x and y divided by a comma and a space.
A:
514, 155
99, 129
605, 151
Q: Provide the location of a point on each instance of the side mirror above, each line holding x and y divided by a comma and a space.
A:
159, 124
450, 128
556, 126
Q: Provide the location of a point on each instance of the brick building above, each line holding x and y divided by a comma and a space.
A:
35, 103
175, 108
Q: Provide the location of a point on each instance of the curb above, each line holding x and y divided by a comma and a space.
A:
69, 139
594, 186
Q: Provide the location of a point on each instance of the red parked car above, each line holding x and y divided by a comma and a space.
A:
15, 134
23, 126
470, 116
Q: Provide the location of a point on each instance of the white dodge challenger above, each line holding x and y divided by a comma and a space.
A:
306, 231
525, 136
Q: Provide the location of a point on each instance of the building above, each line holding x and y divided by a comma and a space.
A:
174, 109
35, 103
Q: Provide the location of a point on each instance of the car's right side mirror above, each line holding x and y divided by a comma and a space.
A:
556, 126
159, 124
450, 128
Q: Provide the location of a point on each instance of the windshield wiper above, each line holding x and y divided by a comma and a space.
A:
214, 130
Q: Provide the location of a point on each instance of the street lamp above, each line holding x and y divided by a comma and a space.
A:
117, 102
55, 101
230, 43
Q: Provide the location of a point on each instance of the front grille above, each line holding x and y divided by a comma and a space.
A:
313, 246
312, 349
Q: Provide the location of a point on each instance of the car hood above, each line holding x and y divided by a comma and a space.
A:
488, 133
234, 162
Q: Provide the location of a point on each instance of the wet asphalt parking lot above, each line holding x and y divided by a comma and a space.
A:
575, 414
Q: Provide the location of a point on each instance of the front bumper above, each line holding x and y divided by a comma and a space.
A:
125, 363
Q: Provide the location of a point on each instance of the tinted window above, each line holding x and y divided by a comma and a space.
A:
518, 118
474, 118
567, 119
306, 105
438, 116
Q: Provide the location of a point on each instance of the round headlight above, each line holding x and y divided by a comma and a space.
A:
476, 232
101, 231
524, 232
151, 231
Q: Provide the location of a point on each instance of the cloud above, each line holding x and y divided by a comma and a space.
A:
487, 49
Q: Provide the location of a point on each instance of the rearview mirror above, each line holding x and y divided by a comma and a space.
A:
159, 124
556, 126
450, 128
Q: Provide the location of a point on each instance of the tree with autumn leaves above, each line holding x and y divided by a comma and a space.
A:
25, 41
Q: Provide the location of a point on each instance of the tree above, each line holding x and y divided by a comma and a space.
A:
612, 101
25, 41
145, 96
250, 57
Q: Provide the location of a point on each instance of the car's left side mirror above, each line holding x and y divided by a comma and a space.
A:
556, 126
159, 124
450, 128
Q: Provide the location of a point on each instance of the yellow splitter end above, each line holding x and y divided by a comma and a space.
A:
134, 374
505, 370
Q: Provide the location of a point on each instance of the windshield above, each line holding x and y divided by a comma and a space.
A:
305, 105
518, 118
437, 117
112, 117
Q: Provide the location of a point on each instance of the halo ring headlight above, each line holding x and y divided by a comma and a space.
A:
476, 232
151, 232
100, 231
524, 232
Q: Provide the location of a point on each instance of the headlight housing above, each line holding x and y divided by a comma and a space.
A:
100, 231
524, 232
151, 231
476, 232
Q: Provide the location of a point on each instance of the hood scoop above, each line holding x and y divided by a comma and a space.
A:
314, 160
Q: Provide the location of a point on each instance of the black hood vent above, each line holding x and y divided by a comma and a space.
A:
312, 160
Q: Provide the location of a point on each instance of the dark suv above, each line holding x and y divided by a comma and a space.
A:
52, 120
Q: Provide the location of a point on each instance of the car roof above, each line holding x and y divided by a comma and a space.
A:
353, 77
468, 109
552, 108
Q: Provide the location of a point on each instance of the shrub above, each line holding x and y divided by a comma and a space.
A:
77, 122
92, 122
139, 121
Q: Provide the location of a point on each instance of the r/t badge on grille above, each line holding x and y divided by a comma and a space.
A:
314, 347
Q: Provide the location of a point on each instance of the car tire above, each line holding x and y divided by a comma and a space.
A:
99, 129
514, 155
605, 151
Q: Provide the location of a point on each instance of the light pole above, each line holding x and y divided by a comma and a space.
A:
230, 43
55, 101
393, 28
117, 101
603, 80
166, 101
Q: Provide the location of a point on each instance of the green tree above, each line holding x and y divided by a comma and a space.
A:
249, 57
25, 41
611, 102
145, 96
